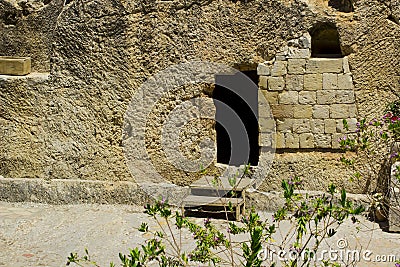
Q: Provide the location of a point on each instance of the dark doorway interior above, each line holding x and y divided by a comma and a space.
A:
240, 93
325, 41
342, 5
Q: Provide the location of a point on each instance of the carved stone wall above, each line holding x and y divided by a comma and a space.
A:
309, 97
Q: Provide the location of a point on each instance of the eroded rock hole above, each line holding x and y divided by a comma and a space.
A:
239, 96
342, 5
325, 41
10, 18
393, 19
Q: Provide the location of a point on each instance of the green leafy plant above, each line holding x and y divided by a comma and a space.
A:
374, 146
314, 218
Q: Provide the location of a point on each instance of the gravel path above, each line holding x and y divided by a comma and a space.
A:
44, 235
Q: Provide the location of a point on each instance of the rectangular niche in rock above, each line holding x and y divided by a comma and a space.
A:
15, 65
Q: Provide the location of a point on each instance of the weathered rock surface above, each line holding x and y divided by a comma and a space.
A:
394, 200
69, 126
27, 29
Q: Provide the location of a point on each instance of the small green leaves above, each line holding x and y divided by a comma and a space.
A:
347, 161
230, 206
232, 181
203, 171
234, 229
161, 208
331, 232
288, 189
332, 189
246, 169
306, 211
72, 258
143, 227
216, 181
343, 197
280, 214
358, 210
179, 221
345, 124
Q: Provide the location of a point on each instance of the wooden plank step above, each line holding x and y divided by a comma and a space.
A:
203, 204
193, 200
212, 214
222, 183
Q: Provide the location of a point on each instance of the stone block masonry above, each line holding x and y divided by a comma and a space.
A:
309, 97
15, 65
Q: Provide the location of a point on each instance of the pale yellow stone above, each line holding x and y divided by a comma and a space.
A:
276, 83
294, 82
345, 81
271, 97
296, 66
312, 82
292, 140
324, 65
266, 125
317, 126
326, 97
329, 81
330, 126
302, 111
321, 111
345, 97
342, 111
284, 125
288, 97
307, 97
279, 68
301, 126
263, 69
263, 82
323, 140
280, 140
306, 140
265, 139
15, 65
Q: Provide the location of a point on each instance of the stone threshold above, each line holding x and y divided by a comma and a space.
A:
33, 75
74, 191
70, 191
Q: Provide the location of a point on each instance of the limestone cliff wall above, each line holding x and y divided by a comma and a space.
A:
27, 29
69, 125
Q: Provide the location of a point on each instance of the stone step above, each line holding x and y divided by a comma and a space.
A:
192, 201
210, 205
222, 183
212, 192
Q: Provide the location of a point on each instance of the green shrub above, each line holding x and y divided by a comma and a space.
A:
314, 219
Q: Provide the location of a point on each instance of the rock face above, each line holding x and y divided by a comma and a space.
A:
394, 200
27, 29
69, 125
